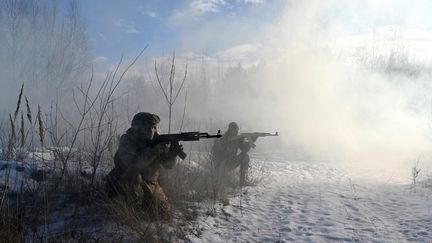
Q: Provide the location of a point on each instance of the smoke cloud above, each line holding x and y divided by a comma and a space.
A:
338, 87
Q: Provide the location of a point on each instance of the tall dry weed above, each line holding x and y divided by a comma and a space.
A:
41, 127
22, 130
19, 102
29, 114
13, 135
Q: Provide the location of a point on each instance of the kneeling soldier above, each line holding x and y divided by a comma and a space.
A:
136, 173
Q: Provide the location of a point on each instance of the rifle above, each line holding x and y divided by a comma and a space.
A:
253, 136
174, 139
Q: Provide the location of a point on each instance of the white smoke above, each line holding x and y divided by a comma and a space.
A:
338, 81
359, 104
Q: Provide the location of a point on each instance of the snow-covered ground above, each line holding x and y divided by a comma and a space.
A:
26, 173
322, 202
300, 201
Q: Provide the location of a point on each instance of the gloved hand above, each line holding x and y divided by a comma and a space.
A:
175, 149
245, 147
160, 149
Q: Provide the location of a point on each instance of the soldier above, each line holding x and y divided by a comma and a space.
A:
224, 153
135, 176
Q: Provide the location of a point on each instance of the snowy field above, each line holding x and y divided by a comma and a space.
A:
26, 173
322, 202
299, 201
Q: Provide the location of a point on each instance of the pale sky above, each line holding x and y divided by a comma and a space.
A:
236, 28
200, 26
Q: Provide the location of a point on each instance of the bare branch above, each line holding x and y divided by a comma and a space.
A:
184, 112
181, 86
130, 65
160, 84
171, 79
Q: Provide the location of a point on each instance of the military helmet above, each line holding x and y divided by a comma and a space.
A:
233, 125
145, 118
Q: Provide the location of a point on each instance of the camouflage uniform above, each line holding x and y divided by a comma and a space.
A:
225, 157
136, 175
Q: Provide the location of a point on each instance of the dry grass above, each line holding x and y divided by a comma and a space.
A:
41, 131
29, 114
18, 106
34, 214
63, 204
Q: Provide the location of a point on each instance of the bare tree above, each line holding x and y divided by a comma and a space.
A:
102, 122
168, 91
95, 124
42, 44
